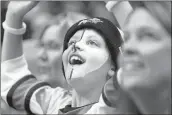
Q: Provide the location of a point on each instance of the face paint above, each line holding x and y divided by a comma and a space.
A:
72, 49
96, 60
92, 80
71, 74
74, 45
87, 67
68, 72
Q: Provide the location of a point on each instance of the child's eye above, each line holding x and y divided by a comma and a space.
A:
71, 43
91, 42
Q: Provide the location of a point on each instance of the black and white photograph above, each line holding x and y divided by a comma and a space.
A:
86, 57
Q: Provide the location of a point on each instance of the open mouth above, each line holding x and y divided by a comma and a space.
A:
76, 60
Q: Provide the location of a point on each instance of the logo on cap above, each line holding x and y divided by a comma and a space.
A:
93, 20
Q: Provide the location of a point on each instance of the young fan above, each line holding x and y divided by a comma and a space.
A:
90, 54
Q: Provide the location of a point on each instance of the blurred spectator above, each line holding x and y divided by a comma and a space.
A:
75, 6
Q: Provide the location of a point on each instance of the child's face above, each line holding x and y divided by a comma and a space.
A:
146, 60
86, 54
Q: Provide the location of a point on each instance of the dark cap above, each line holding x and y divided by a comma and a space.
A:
106, 28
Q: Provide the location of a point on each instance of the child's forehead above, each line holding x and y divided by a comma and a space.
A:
88, 33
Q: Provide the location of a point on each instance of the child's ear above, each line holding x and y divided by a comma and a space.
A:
111, 73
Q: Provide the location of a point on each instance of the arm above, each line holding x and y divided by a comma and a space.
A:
120, 9
12, 44
19, 88
22, 91
12, 47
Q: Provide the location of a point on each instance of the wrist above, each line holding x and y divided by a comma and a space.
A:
14, 31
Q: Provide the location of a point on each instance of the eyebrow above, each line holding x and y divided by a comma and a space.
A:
92, 36
50, 42
148, 29
75, 37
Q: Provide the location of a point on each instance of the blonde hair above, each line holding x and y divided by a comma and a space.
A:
161, 10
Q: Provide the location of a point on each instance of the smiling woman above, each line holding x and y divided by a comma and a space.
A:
86, 79
145, 64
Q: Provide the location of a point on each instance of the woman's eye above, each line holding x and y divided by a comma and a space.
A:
126, 37
148, 36
53, 46
90, 42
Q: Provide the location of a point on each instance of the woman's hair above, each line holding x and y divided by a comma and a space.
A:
161, 10
65, 20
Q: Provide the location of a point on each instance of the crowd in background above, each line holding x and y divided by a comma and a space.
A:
40, 16
43, 24
48, 10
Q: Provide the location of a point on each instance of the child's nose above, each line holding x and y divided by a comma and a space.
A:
77, 46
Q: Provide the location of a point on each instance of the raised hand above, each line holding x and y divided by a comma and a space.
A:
19, 9
12, 48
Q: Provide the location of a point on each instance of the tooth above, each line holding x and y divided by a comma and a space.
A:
75, 58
